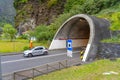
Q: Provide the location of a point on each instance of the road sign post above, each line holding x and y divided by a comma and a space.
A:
69, 48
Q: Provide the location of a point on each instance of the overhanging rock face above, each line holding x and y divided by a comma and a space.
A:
84, 30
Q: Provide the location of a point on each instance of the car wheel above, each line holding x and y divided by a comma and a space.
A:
30, 55
45, 53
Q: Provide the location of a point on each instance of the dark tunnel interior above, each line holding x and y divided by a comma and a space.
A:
75, 29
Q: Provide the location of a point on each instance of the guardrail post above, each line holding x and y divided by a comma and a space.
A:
13, 76
33, 74
66, 63
47, 68
59, 65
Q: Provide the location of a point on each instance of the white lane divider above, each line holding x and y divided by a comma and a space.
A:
36, 57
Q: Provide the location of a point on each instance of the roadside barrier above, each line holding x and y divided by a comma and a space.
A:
41, 70
82, 52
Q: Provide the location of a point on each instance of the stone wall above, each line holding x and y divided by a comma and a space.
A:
109, 50
115, 33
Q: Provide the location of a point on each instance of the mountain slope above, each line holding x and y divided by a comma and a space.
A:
43, 12
52, 13
7, 12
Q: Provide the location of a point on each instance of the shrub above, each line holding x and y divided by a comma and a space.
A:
52, 3
89, 6
26, 48
71, 3
9, 32
41, 32
18, 2
115, 19
23, 36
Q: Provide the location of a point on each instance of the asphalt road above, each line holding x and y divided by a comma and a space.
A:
14, 63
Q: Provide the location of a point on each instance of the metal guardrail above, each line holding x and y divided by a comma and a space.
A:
41, 70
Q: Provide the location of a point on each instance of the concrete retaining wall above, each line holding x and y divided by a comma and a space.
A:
59, 44
109, 50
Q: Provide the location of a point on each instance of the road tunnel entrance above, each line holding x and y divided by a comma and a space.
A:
85, 31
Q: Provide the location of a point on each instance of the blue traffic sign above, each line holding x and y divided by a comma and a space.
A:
69, 45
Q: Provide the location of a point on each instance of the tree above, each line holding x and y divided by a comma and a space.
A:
41, 32
9, 31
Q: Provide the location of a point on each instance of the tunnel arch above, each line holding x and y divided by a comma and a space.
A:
84, 30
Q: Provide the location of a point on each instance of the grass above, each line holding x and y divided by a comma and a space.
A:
115, 39
17, 45
92, 71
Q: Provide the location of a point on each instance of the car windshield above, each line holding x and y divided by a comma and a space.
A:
35, 48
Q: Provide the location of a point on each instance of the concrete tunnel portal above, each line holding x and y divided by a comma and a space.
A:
85, 31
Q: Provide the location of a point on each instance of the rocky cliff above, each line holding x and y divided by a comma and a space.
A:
40, 12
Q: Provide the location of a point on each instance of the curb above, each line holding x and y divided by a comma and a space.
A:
14, 53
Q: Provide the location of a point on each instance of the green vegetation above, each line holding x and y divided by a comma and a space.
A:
52, 3
92, 71
114, 39
18, 45
103, 8
114, 18
89, 6
42, 33
9, 32
109, 9
19, 2
23, 14
10, 43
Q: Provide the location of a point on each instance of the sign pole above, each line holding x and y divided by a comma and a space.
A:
69, 50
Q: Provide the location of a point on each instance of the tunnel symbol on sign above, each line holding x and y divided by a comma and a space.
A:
69, 45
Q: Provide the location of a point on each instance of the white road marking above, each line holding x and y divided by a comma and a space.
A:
36, 57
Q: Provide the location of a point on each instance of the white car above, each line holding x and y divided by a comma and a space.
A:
39, 50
